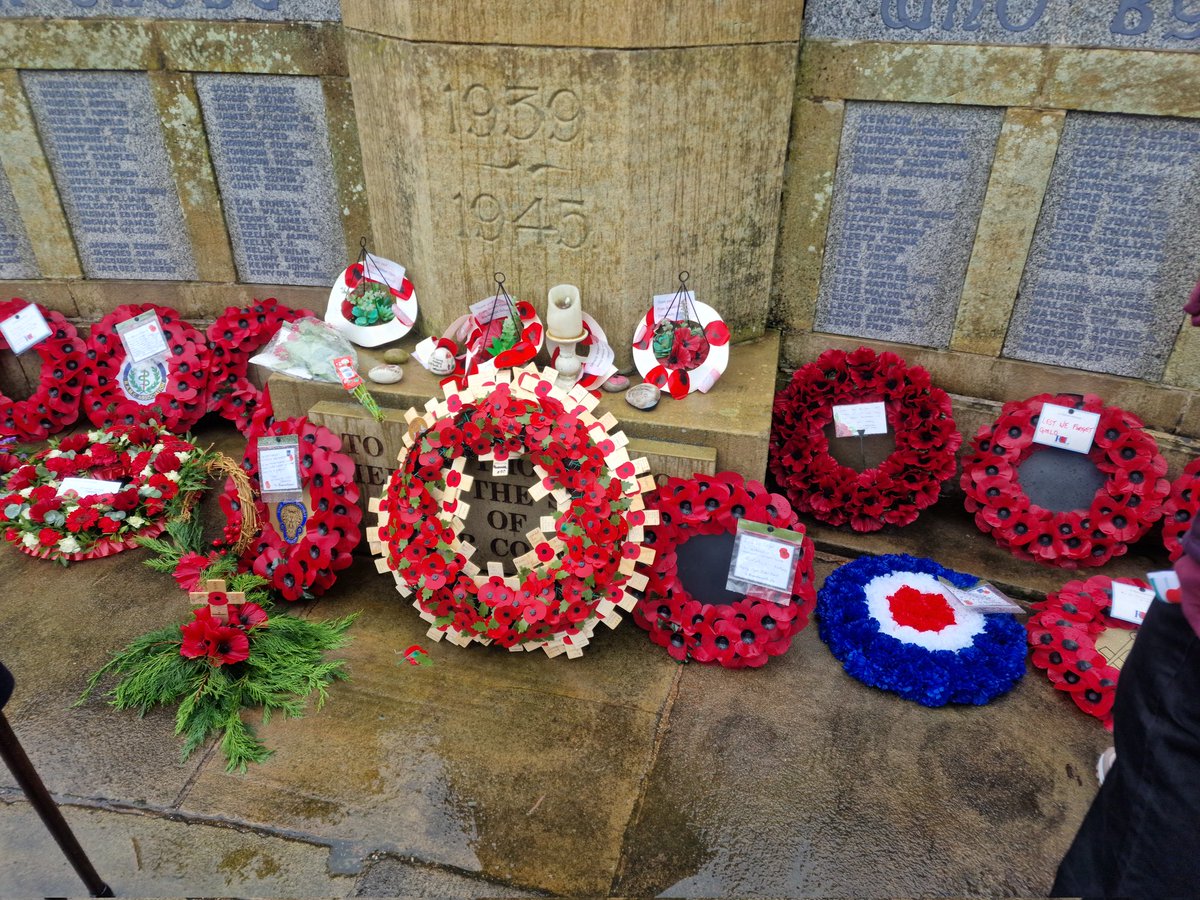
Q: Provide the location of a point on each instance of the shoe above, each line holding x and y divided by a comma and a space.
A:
1106, 761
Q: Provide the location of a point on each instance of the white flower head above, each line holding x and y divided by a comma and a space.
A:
29, 539
135, 521
69, 544
172, 476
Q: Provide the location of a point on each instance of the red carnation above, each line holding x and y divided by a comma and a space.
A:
81, 518
166, 462
48, 537
109, 525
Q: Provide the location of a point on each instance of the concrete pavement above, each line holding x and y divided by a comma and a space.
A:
497, 774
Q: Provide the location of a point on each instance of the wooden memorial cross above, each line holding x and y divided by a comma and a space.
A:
213, 595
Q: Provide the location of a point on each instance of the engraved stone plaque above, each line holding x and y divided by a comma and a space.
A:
270, 148
907, 195
1115, 250
105, 146
16, 256
1143, 24
224, 10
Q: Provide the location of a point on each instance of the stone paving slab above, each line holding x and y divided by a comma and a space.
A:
59, 626
797, 780
144, 856
519, 767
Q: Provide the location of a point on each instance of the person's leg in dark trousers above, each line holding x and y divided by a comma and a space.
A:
1141, 837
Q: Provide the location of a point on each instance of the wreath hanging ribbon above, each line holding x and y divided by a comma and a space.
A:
906, 482
747, 632
54, 403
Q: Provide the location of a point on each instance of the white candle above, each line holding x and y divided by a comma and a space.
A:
564, 313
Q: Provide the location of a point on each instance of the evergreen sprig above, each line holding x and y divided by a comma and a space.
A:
285, 669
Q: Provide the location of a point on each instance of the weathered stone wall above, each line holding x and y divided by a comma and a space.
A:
195, 153
1004, 191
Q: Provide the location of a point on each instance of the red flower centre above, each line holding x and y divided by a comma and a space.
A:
924, 612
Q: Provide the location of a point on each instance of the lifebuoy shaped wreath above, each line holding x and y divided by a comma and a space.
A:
581, 565
1063, 631
747, 632
894, 626
150, 463
1180, 508
324, 532
55, 402
233, 338
184, 397
895, 491
1122, 510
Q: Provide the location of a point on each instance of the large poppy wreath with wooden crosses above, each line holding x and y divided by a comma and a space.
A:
581, 566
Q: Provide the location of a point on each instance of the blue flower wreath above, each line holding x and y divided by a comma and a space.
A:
990, 666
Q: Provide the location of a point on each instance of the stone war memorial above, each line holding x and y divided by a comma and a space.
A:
360, 359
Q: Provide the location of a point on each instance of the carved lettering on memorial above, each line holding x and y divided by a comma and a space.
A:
909, 186
271, 153
1111, 253
261, 10
16, 254
522, 125
106, 150
1162, 24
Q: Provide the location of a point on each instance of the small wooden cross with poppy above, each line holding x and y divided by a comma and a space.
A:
213, 595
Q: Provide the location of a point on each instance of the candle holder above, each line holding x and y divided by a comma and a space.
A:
564, 329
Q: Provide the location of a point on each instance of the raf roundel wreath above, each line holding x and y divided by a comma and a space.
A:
894, 626
184, 398
308, 567
895, 491
55, 402
152, 466
233, 338
1123, 509
1180, 508
1063, 632
581, 567
747, 632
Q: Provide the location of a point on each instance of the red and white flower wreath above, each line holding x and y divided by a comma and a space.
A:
579, 571
149, 462
309, 567
1123, 509
55, 402
747, 632
1062, 632
1181, 508
895, 491
233, 338
184, 399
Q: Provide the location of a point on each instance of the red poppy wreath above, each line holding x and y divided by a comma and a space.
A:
746, 632
152, 471
233, 338
55, 402
581, 565
1180, 508
1124, 507
183, 395
1069, 634
906, 482
314, 540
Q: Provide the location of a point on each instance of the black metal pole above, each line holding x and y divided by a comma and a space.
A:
35, 791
